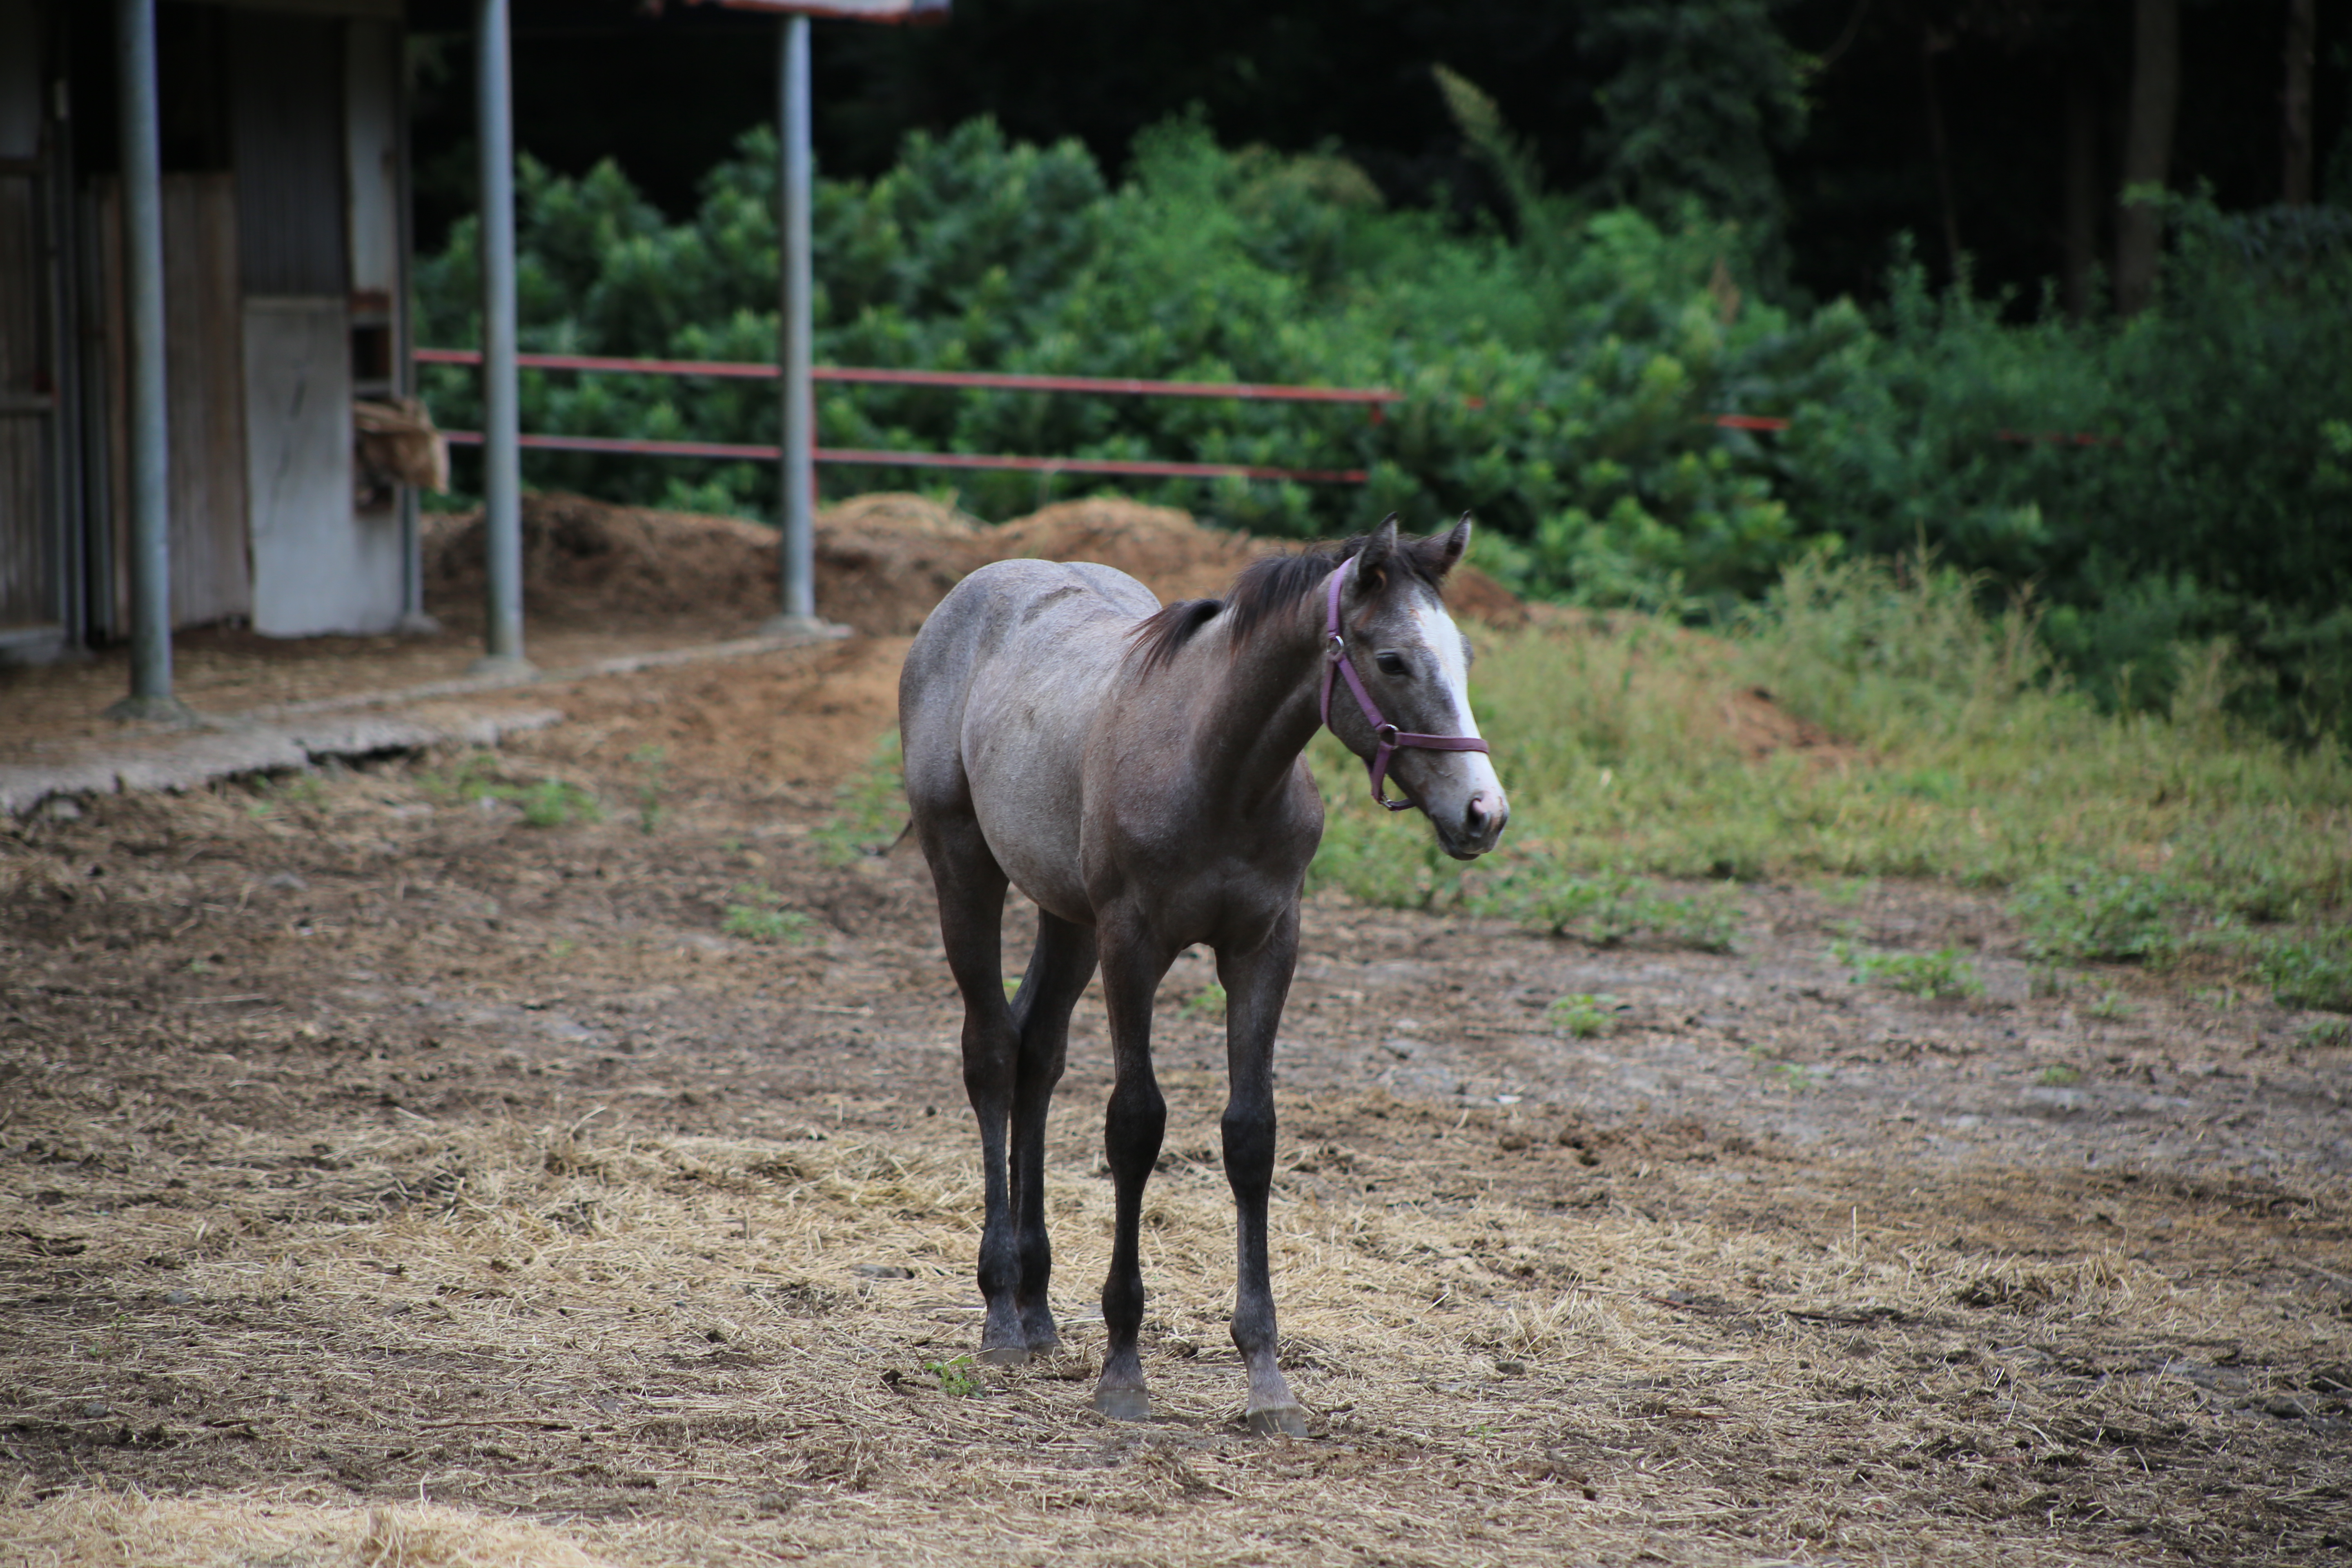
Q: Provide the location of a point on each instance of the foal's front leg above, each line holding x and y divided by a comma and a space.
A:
1256, 985
1133, 1126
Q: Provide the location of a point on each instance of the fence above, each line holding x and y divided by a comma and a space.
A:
1373, 398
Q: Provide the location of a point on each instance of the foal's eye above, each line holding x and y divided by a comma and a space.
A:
1389, 663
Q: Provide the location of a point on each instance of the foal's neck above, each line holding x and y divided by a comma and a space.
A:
1254, 707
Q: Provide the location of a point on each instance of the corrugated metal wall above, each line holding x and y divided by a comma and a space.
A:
287, 129
26, 587
204, 393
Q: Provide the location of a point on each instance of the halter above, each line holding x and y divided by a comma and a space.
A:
1389, 739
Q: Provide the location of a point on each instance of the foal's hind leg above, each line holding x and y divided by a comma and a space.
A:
1059, 968
971, 921
1256, 985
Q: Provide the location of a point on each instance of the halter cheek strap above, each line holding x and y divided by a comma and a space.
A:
1387, 738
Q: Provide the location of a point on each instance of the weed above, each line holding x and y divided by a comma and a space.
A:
200, 966
757, 916
1012, 986
562, 947
2121, 916
1605, 909
1585, 1014
653, 762
957, 1378
2328, 1032
1843, 892
556, 803
2111, 1006
545, 803
2047, 980
1706, 922
1208, 1002
2315, 973
1943, 972
1796, 1077
2058, 1074
868, 810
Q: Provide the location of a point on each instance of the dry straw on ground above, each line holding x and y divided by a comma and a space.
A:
677, 1349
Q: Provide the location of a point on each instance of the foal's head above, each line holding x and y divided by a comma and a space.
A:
1415, 664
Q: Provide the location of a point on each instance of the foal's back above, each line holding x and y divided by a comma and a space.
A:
999, 692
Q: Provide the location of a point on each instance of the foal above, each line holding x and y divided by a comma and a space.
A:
1135, 771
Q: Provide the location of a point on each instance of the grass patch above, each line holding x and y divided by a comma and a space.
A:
2110, 1007
1208, 1002
1870, 719
868, 811
1585, 1014
1940, 974
758, 915
958, 1378
653, 765
2123, 918
2315, 973
545, 802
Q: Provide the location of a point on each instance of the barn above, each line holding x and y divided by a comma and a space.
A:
283, 193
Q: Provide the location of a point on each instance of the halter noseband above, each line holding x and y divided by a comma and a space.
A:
1388, 738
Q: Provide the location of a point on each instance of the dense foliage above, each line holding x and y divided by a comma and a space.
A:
1562, 377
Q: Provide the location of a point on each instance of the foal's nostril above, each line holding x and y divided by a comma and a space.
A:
1475, 814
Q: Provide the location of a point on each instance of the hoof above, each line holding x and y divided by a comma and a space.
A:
1003, 1356
1050, 1345
1278, 1421
1123, 1403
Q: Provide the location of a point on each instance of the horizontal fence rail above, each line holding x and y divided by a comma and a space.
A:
986, 380
1146, 468
1373, 398
999, 381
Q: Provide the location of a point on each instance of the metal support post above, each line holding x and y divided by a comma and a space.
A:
413, 621
142, 273
796, 545
501, 450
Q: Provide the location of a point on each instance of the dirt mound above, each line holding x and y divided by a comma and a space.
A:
882, 561
586, 561
1759, 726
1172, 555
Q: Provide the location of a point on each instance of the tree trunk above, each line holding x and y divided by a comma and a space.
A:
1937, 148
2082, 231
2294, 127
2147, 145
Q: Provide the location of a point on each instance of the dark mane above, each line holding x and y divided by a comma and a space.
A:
1268, 588
1157, 636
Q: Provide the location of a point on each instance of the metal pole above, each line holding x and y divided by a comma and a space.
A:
413, 621
142, 273
797, 543
501, 453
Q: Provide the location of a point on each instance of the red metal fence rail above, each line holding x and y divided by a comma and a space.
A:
1373, 398
1001, 381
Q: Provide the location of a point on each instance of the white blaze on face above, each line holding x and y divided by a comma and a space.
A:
1444, 640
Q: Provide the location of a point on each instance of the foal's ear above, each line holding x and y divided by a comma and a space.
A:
1372, 560
1450, 549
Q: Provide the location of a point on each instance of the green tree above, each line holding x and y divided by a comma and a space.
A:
1704, 92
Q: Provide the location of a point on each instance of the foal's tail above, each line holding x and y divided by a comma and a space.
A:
881, 851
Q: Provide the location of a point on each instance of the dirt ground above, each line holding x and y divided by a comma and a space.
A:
384, 1178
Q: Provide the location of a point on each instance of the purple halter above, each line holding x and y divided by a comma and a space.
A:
1389, 739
